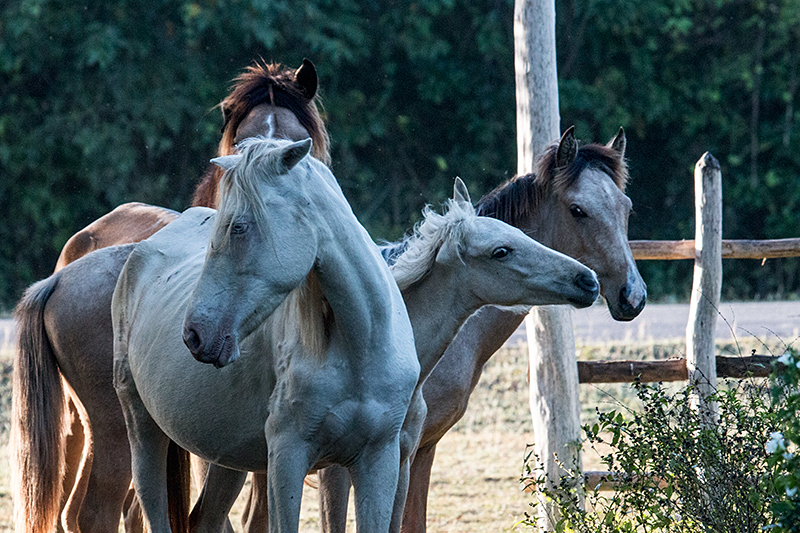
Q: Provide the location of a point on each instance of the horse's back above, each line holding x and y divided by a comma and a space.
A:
78, 318
172, 253
129, 223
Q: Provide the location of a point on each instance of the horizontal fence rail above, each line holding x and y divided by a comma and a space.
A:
731, 249
757, 366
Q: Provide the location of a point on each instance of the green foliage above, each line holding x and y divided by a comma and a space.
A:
677, 471
684, 78
103, 103
111, 102
784, 445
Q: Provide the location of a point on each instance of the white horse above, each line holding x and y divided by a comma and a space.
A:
452, 265
295, 285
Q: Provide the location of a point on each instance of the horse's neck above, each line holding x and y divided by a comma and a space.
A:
539, 223
482, 335
437, 309
357, 284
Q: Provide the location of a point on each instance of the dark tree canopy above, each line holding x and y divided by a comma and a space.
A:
109, 102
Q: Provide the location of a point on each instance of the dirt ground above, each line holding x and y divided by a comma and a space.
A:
475, 480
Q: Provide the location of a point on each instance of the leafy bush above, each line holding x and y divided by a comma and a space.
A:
783, 445
677, 472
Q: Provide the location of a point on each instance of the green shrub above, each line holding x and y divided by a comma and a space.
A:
675, 471
783, 445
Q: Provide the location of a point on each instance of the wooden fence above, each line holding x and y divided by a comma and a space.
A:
707, 249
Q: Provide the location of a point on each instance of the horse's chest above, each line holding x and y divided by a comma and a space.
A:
335, 412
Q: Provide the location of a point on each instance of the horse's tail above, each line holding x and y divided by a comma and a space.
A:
37, 417
178, 487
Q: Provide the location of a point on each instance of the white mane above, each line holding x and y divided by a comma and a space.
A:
428, 237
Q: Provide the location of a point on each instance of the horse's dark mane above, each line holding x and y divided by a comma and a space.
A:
262, 83
518, 198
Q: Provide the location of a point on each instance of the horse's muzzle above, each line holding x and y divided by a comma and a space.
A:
590, 289
219, 353
631, 302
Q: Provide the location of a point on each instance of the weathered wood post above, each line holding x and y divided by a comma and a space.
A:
707, 283
554, 398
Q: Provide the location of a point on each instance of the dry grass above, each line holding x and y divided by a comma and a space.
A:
475, 481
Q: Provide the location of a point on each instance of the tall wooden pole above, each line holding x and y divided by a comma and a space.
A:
701, 360
537, 82
554, 400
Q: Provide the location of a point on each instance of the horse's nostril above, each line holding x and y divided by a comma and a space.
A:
192, 340
623, 296
587, 282
624, 300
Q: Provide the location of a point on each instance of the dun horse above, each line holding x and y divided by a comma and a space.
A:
575, 203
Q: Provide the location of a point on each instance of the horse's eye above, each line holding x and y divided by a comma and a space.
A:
500, 252
237, 228
577, 212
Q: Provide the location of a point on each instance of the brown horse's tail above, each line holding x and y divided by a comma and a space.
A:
38, 417
178, 488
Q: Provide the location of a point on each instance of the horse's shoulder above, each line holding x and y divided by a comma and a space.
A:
176, 250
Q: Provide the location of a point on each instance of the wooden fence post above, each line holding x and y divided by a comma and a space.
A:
707, 283
554, 397
554, 388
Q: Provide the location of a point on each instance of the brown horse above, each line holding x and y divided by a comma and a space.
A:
55, 343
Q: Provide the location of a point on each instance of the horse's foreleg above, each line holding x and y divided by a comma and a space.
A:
287, 466
148, 445
374, 477
220, 490
400, 496
410, 436
255, 517
416, 509
334, 491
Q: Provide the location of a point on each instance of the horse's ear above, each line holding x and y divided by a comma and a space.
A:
460, 192
225, 107
306, 79
292, 153
226, 110
226, 162
567, 148
618, 143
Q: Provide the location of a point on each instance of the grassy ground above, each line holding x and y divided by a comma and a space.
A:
475, 481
